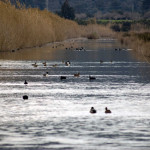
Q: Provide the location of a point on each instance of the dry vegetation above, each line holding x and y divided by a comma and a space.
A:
138, 39
21, 27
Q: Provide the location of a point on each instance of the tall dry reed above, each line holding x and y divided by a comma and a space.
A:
98, 31
28, 27
138, 39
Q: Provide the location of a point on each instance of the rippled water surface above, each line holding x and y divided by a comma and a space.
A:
56, 115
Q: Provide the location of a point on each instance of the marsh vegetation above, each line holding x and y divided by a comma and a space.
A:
138, 38
23, 27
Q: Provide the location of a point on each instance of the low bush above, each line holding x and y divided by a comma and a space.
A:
92, 36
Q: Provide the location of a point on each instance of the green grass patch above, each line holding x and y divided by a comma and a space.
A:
105, 21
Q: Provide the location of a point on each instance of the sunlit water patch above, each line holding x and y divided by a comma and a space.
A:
56, 114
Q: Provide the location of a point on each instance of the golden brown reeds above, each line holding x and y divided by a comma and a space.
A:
97, 31
28, 27
21, 28
138, 41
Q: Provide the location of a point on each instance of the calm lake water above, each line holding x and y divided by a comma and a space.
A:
56, 115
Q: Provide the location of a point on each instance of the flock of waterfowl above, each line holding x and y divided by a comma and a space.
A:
92, 110
67, 63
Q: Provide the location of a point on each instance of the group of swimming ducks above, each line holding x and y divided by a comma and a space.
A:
93, 110
77, 75
67, 63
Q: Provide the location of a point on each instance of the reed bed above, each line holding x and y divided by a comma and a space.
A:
141, 43
94, 31
28, 27
138, 38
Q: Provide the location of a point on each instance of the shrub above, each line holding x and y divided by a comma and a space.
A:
115, 28
126, 26
92, 36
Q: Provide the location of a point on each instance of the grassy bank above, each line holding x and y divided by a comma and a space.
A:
28, 27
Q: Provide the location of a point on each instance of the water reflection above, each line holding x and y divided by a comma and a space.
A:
60, 53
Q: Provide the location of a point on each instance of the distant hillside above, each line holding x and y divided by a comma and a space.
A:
98, 8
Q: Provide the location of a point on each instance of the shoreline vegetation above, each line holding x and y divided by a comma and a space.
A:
138, 41
23, 27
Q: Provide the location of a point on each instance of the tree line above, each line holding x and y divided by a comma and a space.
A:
103, 9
